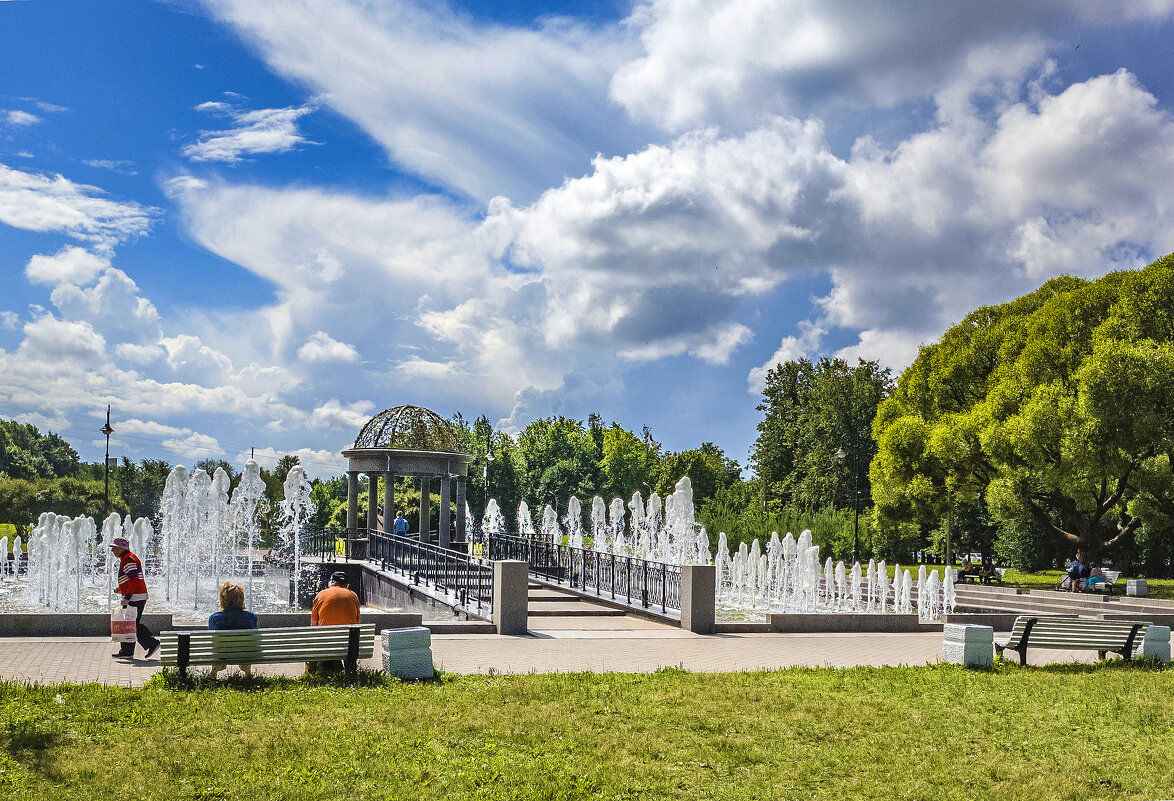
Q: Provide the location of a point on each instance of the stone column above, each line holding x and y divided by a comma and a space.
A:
698, 598
389, 503
373, 501
425, 508
352, 499
443, 522
461, 509
511, 588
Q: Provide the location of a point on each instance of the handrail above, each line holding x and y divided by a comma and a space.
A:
468, 578
637, 582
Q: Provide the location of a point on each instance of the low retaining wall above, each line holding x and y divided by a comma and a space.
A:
999, 621
860, 623
68, 624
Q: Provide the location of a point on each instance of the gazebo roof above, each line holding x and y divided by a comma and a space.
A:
410, 428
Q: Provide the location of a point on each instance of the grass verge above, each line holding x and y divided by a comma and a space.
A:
1063, 732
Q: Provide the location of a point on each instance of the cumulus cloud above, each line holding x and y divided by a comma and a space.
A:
41, 203
736, 62
254, 132
482, 110
137, 435
112, 305
192, 360
792, 348
70, 264
55, 344
350, 416
317, 463
321, 348
9, 320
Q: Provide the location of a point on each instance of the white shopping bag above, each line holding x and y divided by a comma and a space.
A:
122, 624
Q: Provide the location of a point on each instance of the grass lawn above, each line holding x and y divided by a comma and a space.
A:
872, 733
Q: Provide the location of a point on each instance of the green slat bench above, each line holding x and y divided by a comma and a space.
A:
350, 643
1074, 634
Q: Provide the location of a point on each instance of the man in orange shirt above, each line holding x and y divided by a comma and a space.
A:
336, 605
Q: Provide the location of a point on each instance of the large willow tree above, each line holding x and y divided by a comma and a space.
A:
1053, 414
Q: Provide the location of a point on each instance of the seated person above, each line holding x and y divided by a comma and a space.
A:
967, 569
337, 605
1095, 577
986, 571
1077, 571
232, 616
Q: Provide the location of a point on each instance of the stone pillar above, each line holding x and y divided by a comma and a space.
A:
388, 503
373, 501
425, 508
443, 522
511, 588
698, 598
352, 499
461, 510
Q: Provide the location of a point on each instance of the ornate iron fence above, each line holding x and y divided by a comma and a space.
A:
636, 582
467, 578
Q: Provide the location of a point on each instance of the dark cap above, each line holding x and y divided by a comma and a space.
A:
338, 577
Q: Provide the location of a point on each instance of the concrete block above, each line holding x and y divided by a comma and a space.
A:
972, 646
407, 639
1136, 588
698, 598
511, 588
411, 663
1156, 644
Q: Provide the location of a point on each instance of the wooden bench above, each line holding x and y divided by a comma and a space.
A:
1074, 634
977, 577
182, 649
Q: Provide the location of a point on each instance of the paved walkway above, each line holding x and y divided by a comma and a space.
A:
641, 647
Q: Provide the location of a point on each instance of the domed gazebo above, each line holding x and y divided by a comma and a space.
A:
408, 441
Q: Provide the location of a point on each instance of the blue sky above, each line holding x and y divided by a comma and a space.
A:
251, 223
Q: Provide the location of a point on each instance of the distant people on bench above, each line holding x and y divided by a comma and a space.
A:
986, 571
1095, 576
968, 570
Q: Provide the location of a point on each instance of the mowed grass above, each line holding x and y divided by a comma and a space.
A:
1069, 732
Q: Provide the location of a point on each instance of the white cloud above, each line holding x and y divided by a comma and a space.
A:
484, 110
317, 463
267, 130
114, 165
350, 416
9, 320
792, 348
112, 305
71, 264
737, 62
35, 202
192, 360
55, 344
194, 446
19, 118
321, 348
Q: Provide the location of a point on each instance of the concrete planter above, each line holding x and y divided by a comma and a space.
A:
971, 646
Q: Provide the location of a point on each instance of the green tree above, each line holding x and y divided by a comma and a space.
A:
707, 467
559, 459
628, 462
27, 453
811, 411
1053, 410
141, 486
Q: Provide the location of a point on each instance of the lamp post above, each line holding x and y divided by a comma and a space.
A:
107, 430
855, 496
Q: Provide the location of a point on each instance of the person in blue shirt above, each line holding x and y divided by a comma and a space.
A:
232, 615
401, 525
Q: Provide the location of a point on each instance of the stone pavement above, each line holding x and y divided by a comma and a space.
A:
631, 646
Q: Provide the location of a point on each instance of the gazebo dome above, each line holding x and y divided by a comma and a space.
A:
410, 428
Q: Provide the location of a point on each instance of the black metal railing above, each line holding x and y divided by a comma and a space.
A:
636, 582
328, 544
467, 578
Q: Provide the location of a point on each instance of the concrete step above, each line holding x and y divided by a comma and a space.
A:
581, 611
552, 596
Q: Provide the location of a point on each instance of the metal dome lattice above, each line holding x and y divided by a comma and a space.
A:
411, 428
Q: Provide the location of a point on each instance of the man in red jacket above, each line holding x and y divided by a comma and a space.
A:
133, 590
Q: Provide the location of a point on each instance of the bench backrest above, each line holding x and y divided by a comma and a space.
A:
255, 646
1074, 632
1111, 576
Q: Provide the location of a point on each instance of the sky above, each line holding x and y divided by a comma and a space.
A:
252, 224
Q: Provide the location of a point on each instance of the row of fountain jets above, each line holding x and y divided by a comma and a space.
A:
206, 536
788, 577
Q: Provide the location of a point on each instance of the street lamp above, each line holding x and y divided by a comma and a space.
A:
855, 498
107, 430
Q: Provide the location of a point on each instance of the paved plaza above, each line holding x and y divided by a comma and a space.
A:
630, 645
